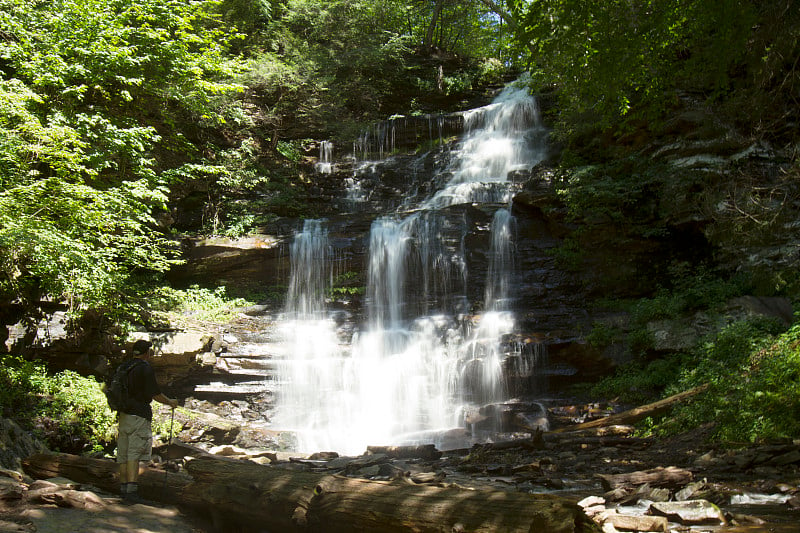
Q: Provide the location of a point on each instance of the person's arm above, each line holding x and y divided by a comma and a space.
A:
160, 398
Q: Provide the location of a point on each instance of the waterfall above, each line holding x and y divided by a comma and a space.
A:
325, 163
421, 360
386, 273
311, 272
500, 261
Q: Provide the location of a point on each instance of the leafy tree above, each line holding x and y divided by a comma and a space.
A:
613, 58
89, 92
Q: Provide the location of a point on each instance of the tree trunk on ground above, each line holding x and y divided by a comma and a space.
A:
256, 497
639, 413
657, 477
424, 451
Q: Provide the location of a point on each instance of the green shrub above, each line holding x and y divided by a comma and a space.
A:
175, 306
753, 375
65, 410
639, 383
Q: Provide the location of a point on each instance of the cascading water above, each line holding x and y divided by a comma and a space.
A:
419, 362
325, 164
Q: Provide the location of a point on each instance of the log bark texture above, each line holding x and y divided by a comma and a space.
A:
639, 413
657, 477
424, 451
267, 498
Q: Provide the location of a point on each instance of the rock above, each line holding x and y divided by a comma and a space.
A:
368, 460
638, 523
176, 343
787, 458
687, 492
339, 463
708, 459
749, 306
673, 335
369, 471
11, 489
254, 310
608, 527
591, 501
78, 499
646, 492
227, 451
15, 445
206, 426
737, 519
424, 451
15, 527
692, 512
794, 502
206, 359
64, 483
43, 484
93, 363
10, 474
324, 456
529, 422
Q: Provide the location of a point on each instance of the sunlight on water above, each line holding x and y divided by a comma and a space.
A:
420, 360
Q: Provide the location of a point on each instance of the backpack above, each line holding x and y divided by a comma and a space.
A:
116, 389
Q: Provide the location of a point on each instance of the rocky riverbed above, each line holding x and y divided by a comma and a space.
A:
625, 483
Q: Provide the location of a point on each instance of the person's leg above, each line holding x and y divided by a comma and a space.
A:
124, 429
140, 444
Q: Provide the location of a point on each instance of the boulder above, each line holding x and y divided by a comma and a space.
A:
673, 335
16, 444
754, 306
691, 512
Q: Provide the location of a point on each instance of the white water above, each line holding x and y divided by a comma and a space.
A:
325, 163
418, 364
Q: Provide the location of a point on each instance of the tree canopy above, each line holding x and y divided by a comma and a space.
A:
89, 93
107, 106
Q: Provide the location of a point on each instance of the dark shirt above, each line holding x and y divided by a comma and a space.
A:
142, 387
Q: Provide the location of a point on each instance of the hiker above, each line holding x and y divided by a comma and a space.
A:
135, 441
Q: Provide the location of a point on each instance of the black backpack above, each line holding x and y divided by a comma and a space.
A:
116, 389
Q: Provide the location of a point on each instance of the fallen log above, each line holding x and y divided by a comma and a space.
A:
597, 441
606, 431
657, 477
639, 413
157, 485
423, 451
261, 497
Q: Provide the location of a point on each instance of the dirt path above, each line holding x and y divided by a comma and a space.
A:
112, 518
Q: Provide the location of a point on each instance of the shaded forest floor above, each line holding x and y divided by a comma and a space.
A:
573, 467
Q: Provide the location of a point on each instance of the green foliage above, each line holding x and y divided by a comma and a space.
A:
347, 284
81, 83
687, 293
67, 411
619, 59
639, 383
177, 306
753, 372
289, 150
603, 335
609, 57
164, 425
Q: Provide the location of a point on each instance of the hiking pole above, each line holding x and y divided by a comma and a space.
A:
166, 471
171, 421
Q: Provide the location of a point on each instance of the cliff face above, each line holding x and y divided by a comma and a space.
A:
642, 210
610, 217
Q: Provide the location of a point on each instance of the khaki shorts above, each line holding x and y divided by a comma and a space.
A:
135, 440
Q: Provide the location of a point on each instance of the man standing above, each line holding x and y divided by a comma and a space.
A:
135, 441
